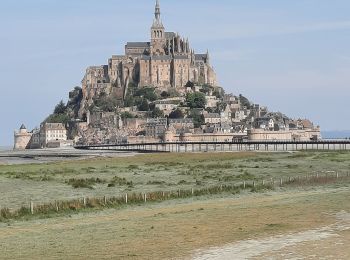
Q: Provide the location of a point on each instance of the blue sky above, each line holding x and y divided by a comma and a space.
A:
292, 55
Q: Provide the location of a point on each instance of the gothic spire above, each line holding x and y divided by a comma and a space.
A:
157, 11
157, 20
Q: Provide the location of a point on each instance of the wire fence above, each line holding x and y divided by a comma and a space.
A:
76, 205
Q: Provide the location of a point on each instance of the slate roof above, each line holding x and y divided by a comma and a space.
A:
161, 57
180, 57
170, 35
138, 44
202, 57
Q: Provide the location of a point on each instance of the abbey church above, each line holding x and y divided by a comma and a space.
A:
166, 61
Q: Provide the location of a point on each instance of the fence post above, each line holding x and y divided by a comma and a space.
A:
56, 204
84, 201
105, 200
192, 191
126, 198
145, 197
281, 181
244, 185
337, 175
31, 207
263, 183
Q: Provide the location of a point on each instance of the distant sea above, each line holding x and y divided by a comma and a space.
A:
5, 148
336, 134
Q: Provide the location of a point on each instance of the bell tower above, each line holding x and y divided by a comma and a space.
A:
158, 40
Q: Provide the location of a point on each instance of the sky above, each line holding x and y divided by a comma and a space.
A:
291, 55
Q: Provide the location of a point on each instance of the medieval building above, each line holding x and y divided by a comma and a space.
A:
166, 61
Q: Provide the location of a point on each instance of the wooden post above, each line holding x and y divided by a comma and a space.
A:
31, 207
84, 201
244, 185
57, 208
263, 183
126, 198
281, 181
337, 175
145, 197
192, 191
105, 200
253, 184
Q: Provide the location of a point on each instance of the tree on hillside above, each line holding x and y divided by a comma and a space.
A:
176, 114
196, 100
143, 105
147, 93
244, 101
198, 119
126, 115
60, 108
157, 113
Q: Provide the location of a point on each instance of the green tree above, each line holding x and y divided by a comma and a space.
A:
126, 115
147, 93
157, 113
60, 108
143, 106
106, 103
165, 94
176, 114
220, 106
196, 100
198, 118
57, 118
244, 101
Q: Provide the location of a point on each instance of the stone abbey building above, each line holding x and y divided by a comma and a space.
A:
166, 61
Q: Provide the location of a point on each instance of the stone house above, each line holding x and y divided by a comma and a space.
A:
212, 118
52, 132
156, 127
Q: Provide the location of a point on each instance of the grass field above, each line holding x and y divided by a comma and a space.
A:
146, 173
174, 228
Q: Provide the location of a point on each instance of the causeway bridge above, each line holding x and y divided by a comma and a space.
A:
183, 147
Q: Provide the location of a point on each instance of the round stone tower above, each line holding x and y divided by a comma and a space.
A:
21, 138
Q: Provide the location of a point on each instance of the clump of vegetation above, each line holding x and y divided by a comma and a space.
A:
84, 183
120, 182
133, 167
196, 100
155, 182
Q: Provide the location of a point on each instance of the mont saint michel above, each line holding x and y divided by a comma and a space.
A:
185, 130
160, 90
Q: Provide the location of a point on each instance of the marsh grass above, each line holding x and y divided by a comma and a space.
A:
84, 183
48, 182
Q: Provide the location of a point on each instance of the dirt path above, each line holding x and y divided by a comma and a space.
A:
290, 246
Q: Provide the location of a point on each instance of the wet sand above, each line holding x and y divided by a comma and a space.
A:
10, 157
